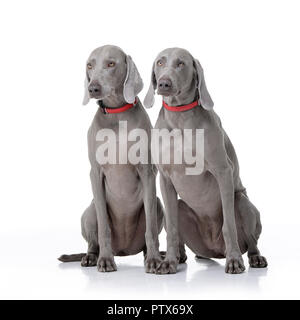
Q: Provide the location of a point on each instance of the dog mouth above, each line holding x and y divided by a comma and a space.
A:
168, 93
97, 97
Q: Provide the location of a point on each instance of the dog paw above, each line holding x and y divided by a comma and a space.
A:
89, 260
234, 265
106, 264
151, 264
258, 262
167, 267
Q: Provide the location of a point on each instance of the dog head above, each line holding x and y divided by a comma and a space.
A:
109, 71
176, 73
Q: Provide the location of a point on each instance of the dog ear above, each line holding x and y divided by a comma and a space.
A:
149, 99
86, 97
133, 83
204, 97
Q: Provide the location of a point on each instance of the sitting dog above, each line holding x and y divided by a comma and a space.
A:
213, 216
125, 216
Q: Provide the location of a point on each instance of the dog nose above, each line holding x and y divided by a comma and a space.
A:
94, 88
165, 84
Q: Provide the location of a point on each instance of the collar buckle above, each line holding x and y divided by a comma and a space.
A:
101, 105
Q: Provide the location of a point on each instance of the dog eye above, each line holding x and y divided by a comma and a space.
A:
111, 64
89, 66
159, 63
180, 64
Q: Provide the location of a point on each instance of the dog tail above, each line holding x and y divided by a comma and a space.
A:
71, 257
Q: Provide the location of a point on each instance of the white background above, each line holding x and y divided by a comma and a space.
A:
250, 53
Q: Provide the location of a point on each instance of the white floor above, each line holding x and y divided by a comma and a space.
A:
34, 273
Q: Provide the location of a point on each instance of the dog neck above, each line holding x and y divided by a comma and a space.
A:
109, 110
179, 119
184, 107
114, 101
183, 98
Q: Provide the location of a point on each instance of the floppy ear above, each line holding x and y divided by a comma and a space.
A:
133, 83
149, 99
86, 97
204, 97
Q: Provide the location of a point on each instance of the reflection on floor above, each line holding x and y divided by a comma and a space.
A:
195, 278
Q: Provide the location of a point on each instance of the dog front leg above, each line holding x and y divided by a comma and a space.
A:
234, 260
105, 261
169, 265
152, 259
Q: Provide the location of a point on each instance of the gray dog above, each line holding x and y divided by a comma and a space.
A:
125, 216
214, 216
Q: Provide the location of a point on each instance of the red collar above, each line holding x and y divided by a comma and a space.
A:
181, 108
116, 110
